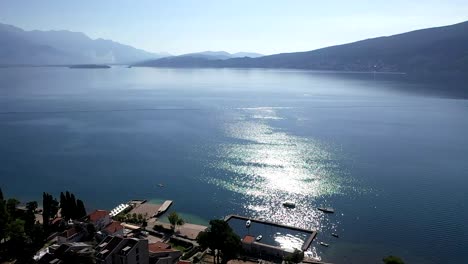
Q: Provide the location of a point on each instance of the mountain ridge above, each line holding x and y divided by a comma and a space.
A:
424, 51
216, 55
64, 47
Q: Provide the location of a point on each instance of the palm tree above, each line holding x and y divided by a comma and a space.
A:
175, 220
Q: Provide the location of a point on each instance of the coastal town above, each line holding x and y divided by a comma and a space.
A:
147, 232
133, 233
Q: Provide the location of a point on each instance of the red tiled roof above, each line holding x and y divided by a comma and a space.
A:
159, 246
69, 232
114, 227
248, 239
56, 220
183, 262
97, 215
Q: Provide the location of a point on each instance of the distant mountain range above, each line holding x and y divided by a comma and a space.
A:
64, 47
220, 55
440, 49
197, 59
427, 51
20, 47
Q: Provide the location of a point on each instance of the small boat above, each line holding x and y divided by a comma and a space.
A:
248, 223
328, 210
160, 185
289, 204
324, 244
259, 238
335, 235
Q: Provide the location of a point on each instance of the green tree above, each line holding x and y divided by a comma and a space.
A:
68, 212
16, 237
37, 235
70, 207
91, 229
20, 235
31, 206
16, 230
3, 217
219, 236
11, 205
80, 208
30, 218
73, 207
120, 217
393, 260
49, 211
63, 205
175, 220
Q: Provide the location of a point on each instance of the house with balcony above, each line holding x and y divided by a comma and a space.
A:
115, 228
72, 234
118, 250
100, 219
162, 253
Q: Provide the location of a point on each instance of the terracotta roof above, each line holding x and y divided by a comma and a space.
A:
56, 220
97, 215
113, 227
248, 239
69, 232
183, 262
159, 246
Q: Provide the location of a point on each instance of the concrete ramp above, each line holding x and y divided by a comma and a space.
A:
164, 207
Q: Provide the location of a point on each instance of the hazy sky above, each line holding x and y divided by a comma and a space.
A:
265, 26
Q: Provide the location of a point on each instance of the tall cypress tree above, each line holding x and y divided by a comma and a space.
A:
50, 209
81, 210
29, 218
68, 208
3, 216
45, 210
73, 207
63, 210
54, 206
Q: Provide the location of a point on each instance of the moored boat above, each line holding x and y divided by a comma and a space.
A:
324, 244
328, 210
259, 238
248, 223
289, 204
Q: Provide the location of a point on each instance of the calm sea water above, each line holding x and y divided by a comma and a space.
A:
392, 162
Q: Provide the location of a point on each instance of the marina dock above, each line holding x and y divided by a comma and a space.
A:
309, 241
305, 246
164, 207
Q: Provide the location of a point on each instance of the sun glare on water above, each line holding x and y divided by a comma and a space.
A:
271, 166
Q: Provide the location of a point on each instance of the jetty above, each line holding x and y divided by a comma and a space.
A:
163, 208
305, 246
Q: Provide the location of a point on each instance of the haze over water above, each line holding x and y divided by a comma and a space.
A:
392, 163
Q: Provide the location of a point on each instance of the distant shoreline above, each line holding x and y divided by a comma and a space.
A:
89, 66
54, 65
